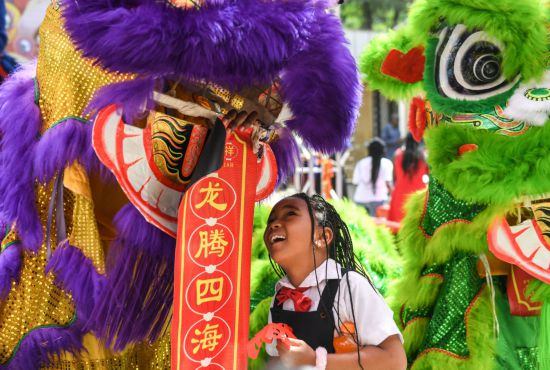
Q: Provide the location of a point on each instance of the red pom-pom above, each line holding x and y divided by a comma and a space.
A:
467, 148
417, 118
408, 68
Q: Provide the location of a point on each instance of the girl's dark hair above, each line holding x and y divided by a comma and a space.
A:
324, 214
377, 149
412, 157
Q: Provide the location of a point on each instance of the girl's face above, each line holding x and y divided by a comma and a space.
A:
288, 233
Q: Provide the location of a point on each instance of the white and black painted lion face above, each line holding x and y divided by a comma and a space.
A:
468, 65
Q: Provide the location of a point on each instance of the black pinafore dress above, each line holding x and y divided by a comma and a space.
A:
316, 328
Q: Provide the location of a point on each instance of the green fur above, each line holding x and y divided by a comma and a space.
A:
502, 169
258, 319
373, 57
414, 332
544, 337
262, 281
373, 245
538, 291
261, 213
518, 24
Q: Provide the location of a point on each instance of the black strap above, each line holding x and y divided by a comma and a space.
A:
211, 157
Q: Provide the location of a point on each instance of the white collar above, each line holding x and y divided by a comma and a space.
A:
327, 270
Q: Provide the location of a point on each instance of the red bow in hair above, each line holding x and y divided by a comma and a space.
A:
301, 302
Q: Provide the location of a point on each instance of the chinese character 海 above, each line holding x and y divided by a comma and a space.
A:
209, 339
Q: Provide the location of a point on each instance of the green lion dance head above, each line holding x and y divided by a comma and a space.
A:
482, 68
477, 73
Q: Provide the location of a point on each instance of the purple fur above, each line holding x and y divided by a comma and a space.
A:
287, 155
322, 87
75, 273
229, 42
132, 97
10, 265
234, 43
63, 144
138, 292
60, 146
19, 129
42, 345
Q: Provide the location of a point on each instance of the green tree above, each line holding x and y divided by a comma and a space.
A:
375, 15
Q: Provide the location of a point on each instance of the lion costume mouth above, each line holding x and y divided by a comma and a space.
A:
525, 244
146, 172
155, 165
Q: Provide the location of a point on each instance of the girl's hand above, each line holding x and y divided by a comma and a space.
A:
299, 353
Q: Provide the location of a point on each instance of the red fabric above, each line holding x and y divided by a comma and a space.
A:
278, 331
408, 68
301, 302
404, 185
417, 118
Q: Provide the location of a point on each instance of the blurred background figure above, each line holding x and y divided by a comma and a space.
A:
373, 177
411, 172
392, 136
7, 63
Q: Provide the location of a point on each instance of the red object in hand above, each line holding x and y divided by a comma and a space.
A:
467, 148
278, 331
301, 302
408, 68
417, 118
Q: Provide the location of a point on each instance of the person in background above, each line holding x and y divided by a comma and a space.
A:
373, 176
392, 136
410, 174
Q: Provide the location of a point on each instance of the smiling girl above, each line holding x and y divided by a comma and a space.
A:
324, 287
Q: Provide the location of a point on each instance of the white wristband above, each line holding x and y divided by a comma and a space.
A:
320, 358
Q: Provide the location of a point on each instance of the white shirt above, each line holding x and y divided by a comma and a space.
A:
373, 318
361, 178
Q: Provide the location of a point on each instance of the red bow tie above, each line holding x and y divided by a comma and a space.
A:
301, 302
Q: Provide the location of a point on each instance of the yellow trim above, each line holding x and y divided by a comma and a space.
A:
239, 262
181, 281
518, 295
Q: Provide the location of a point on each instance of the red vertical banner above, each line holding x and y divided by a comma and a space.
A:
212, 272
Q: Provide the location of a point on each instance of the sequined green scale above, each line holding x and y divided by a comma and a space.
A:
442, 208
447, 329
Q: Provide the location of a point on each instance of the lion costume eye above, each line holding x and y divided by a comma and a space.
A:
468, 65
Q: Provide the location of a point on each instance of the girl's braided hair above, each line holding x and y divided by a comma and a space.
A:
340, 249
